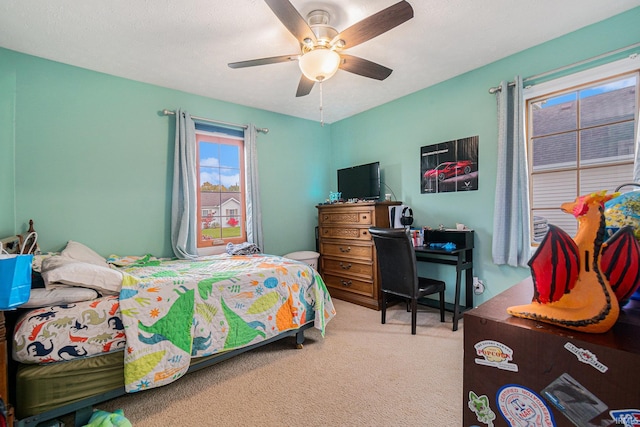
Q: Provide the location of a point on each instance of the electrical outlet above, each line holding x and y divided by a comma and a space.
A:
478, 286
11, 244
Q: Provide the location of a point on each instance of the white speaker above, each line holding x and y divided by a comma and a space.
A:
395, 214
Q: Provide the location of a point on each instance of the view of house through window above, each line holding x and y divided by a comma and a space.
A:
221, 198
579, 141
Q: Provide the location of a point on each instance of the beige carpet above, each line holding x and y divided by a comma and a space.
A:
362, 373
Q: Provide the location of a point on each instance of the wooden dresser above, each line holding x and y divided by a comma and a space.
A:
348, 261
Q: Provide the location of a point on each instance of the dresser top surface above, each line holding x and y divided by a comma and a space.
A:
352, 204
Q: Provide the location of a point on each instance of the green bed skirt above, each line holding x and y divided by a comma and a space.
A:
41, 388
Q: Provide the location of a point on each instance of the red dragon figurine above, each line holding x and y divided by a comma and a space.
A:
579, 282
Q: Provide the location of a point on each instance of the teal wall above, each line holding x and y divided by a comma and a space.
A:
461, 107
94, 160
7, 153
88, 156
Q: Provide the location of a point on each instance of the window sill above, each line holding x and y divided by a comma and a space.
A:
213, 250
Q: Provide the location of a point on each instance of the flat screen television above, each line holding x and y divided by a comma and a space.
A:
360, 182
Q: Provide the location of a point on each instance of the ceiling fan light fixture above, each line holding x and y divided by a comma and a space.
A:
319, 64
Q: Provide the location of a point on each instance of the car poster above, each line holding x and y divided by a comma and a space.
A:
449, 166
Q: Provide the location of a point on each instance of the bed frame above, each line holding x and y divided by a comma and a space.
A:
83, 409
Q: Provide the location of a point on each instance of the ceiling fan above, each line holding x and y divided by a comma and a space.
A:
322, 47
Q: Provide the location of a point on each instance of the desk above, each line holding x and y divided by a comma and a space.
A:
461, 257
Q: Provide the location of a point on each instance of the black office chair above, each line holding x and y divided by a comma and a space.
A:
399, 273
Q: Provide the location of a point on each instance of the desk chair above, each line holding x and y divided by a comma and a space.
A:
399, 274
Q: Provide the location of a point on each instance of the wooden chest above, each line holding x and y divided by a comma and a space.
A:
564, 378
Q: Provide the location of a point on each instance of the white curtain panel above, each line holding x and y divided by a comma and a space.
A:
254, 212
636, 162
511, 214
184, 200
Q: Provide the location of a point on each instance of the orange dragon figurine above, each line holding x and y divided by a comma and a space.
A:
579, 282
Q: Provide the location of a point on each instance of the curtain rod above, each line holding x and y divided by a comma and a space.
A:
204, 119
495, 89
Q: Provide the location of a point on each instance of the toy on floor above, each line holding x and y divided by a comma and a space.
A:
108, 419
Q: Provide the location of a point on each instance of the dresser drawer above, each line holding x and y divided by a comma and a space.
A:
347, 283
347, 267
345, 233
349, 217
351, 250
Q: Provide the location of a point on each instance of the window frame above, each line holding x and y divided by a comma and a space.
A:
571, 83
220, 138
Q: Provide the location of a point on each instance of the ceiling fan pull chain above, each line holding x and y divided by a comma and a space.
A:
321, 109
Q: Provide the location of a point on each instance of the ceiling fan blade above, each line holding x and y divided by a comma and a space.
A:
305, 86
291, 18
364, 67
375, 24
263, 61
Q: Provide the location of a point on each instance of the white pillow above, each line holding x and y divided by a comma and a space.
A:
80, 252
59, 296
54, 262
38, 259
105, 280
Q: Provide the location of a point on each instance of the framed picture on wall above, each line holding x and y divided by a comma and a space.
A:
449, 166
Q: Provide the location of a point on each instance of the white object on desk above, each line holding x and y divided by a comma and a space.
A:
395, 213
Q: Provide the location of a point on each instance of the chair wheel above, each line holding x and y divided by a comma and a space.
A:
299, 346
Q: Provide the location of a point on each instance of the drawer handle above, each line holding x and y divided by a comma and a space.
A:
364, 217
326, 217
345, 267
345, 283
347, 249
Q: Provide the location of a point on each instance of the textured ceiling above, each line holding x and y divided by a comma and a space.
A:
187, 44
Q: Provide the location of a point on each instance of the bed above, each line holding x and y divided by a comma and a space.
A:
144, 322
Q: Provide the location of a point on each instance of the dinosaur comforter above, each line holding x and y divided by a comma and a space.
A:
171, 310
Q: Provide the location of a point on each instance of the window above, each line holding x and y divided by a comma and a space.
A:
581, 138
221, 196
